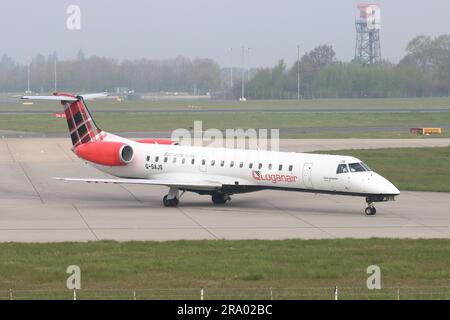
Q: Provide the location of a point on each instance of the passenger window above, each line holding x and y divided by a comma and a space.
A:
280, 167
290, 168
148, 158
193, 161
232, 164
156, 159
241, 165
203, 162
270, 166
174, 160
250, 165
260, 166
183, 161
342, 168
213, 162
165, 159
222, 163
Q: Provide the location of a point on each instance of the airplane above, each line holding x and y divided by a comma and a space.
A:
217, 172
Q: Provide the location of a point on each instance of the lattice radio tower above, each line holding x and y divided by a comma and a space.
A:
368, 25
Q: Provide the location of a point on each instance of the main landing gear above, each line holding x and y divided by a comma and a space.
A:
370, 210
172, 198
170, 202
219, 198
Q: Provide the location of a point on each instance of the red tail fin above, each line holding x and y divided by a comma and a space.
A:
82, 127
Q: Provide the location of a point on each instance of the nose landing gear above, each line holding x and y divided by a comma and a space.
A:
370, 210
370, 200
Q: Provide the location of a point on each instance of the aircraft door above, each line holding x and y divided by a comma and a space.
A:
307, 175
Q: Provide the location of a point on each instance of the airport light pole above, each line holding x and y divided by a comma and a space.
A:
54, 69
28, 74
298, 72
243, 74
28, 79
248, 64
231, 68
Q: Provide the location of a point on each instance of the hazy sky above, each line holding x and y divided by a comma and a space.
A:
208, 28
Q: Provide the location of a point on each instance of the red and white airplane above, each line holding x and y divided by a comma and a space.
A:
218, 172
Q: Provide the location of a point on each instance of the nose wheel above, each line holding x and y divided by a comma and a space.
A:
371, 210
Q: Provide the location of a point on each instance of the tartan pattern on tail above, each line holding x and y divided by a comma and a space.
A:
82, 127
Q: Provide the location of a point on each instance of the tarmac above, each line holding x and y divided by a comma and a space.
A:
36, 208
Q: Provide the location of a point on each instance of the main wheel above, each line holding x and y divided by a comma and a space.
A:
370, 211
218, 198
170, 202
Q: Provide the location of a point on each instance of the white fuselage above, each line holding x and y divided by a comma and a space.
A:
252, 168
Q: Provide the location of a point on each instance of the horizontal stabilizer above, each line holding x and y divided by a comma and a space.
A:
93, 96
67, 98
50, 98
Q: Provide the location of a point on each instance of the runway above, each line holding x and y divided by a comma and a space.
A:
35, 208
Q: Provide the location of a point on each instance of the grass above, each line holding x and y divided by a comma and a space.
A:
417, 169
226, 264
167, 121
129, 122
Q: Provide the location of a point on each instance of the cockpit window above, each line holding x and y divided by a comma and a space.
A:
357, 167
342, 168
366, 166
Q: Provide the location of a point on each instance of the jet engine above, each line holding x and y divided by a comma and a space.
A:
105, 153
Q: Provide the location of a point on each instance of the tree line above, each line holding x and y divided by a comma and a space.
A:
424, 71
91, 74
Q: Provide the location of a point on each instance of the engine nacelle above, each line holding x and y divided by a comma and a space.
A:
105, 153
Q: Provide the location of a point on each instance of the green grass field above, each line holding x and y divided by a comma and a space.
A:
167, 121
417, 169
132, 122
222, 266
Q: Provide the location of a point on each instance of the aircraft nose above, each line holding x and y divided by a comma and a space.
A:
387, 187
392, 189
377, 184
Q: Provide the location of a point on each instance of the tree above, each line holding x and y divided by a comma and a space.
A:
310, 66
6, 63
206, 75
432, 56
80, 55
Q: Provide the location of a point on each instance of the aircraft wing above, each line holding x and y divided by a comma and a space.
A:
198, 185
